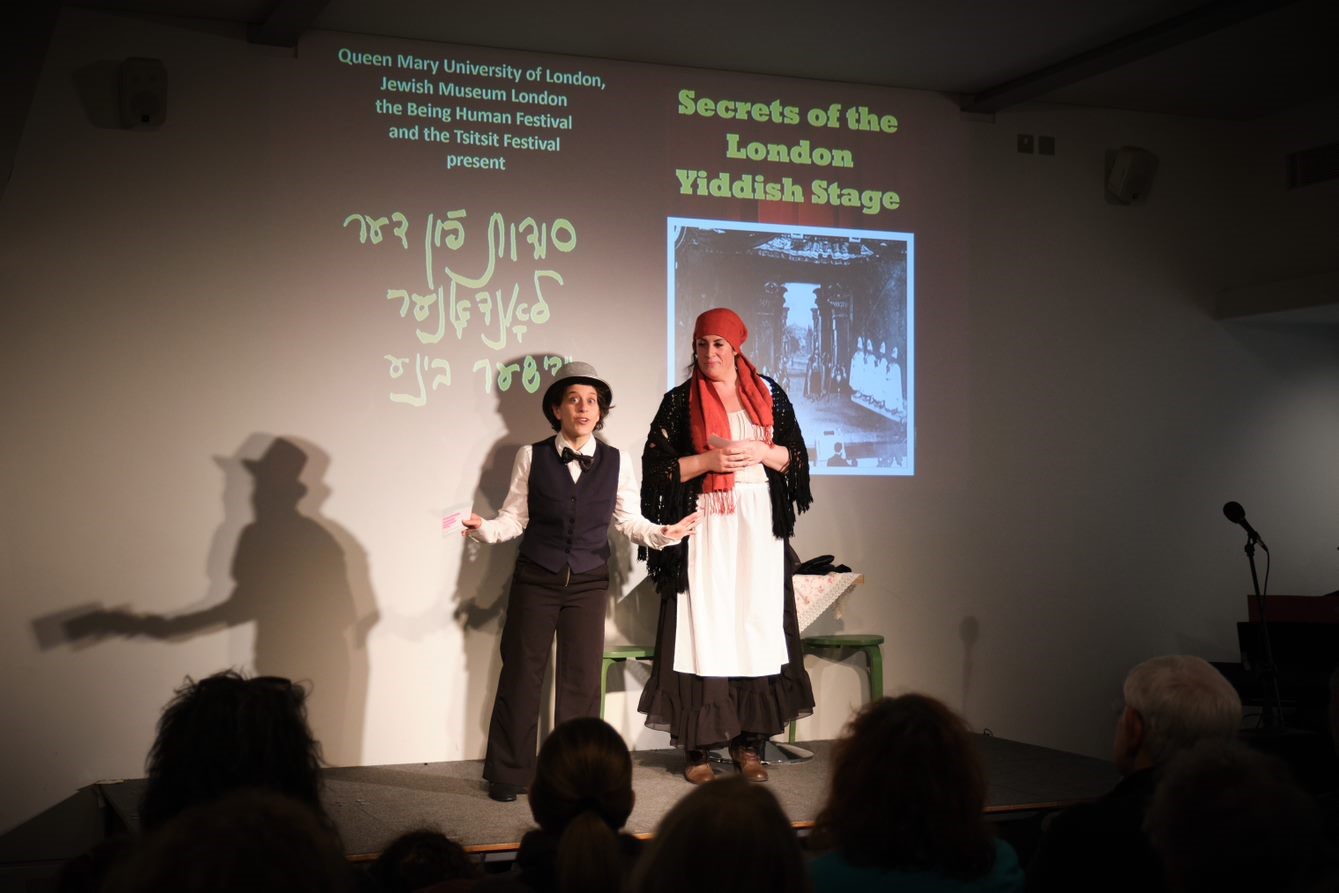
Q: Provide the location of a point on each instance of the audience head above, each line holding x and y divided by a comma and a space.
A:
417, 859
727, 835
582, 792
1171, 703
1227, 818
908, 791
253, 840
228, 732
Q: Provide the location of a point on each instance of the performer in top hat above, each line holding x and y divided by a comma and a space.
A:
565, 491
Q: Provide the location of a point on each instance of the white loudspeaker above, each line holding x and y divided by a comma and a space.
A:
1130, 173
143, 93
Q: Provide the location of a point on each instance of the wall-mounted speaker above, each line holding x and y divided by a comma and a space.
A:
1130, 173
143, 93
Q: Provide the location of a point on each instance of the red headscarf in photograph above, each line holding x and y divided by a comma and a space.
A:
707, 412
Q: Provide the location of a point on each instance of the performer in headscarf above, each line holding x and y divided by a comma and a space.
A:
728, 670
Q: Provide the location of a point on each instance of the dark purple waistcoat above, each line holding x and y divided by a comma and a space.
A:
569, 522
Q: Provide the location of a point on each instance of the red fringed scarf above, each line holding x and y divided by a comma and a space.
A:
708, 416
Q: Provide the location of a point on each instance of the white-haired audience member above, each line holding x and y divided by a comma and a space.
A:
1172, 703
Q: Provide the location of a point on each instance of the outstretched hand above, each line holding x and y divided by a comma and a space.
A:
684, 527
473, 522
101, 624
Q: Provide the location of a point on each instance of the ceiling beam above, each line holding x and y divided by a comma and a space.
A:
1169, 33
287, 22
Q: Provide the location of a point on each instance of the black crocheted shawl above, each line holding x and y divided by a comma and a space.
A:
666, 499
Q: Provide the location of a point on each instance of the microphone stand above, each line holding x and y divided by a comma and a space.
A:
1269, 670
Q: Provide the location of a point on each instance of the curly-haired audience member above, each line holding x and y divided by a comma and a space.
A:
729, 836
581, 797
252, 840
905, 810
227, 732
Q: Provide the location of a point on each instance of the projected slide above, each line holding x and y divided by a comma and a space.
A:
499, 212
829, 314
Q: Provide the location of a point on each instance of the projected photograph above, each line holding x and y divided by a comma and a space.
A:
830, 318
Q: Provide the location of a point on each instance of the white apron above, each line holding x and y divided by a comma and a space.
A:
729, 621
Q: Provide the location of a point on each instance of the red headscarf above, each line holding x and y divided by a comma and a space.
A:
707, 413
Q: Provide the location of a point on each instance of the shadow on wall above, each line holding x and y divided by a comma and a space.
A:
300, 578
635, 616
480, 593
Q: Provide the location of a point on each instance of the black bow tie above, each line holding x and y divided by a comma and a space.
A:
581, 458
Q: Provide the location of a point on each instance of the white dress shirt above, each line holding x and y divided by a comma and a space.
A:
512, 519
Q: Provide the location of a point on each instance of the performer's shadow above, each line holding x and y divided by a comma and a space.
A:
633, 612
634, 618
485, 572
301, 579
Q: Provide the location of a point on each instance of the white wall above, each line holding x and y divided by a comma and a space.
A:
1112, 416
1083, 420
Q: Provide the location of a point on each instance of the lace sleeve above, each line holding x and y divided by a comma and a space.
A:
789, 489
665, 498
661, 488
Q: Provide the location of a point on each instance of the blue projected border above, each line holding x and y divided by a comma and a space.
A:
831, 317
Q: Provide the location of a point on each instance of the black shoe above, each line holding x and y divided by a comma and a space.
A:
503, 792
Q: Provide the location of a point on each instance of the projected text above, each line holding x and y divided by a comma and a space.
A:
413, 90
804, 152
470, 299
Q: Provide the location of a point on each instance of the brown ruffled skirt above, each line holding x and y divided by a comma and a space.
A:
703, 712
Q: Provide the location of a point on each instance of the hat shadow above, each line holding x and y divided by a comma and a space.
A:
275, 562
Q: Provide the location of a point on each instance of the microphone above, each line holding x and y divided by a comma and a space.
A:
1237, 515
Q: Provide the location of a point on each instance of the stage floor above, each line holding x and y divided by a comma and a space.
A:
371, 805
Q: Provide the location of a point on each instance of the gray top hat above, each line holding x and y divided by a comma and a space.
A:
570, 374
